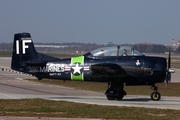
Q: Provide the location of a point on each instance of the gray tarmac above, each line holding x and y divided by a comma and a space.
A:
12, 86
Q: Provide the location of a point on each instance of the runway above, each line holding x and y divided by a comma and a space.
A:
12, 86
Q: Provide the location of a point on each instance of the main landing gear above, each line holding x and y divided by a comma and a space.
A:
115, 94
115, 90
156, 96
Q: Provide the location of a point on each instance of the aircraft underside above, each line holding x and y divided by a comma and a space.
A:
115, 89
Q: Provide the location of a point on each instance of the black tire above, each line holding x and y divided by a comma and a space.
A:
156, 96
110, 97
120, 97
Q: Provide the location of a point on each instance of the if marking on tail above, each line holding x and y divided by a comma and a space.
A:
24, 46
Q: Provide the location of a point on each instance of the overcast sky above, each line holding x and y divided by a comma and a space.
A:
91, 21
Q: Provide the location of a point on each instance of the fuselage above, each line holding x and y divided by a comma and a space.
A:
139, 69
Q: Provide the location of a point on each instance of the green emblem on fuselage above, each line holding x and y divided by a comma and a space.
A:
77, 64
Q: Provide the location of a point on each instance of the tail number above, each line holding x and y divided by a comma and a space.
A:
24, 46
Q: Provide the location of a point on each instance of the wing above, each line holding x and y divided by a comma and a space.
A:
110, 70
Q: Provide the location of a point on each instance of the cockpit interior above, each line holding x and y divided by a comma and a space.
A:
114, 51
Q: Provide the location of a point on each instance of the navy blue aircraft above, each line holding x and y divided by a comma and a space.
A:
118, 66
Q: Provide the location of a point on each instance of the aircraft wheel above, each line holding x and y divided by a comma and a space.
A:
110, 97
120, 97
156, 96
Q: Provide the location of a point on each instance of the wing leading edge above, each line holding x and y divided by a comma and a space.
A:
108, 71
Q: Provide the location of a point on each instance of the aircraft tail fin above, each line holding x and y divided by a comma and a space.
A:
23, 50
24, 53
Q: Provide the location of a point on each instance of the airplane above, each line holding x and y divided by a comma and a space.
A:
116, 65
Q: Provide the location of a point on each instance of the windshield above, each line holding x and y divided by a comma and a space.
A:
115, 51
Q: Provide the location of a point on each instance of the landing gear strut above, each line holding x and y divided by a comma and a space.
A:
156, 96
115, 90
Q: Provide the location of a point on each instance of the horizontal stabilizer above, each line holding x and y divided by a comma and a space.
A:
36, 63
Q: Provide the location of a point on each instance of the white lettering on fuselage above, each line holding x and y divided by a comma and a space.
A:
53, 67
50, 67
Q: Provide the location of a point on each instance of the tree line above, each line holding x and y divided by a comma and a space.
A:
85, 47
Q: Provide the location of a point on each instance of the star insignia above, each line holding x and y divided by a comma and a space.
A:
77, 69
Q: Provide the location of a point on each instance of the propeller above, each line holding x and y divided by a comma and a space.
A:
169, 70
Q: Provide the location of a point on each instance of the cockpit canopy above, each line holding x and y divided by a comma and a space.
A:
115, 51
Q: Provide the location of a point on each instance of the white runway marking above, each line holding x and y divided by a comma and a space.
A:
7, 96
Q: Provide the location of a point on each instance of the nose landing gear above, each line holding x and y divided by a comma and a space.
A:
156, 96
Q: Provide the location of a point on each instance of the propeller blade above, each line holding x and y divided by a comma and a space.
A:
169, 70
169, 58
168, 74
168, 77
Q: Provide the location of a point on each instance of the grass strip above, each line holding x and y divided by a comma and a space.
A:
48, 108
